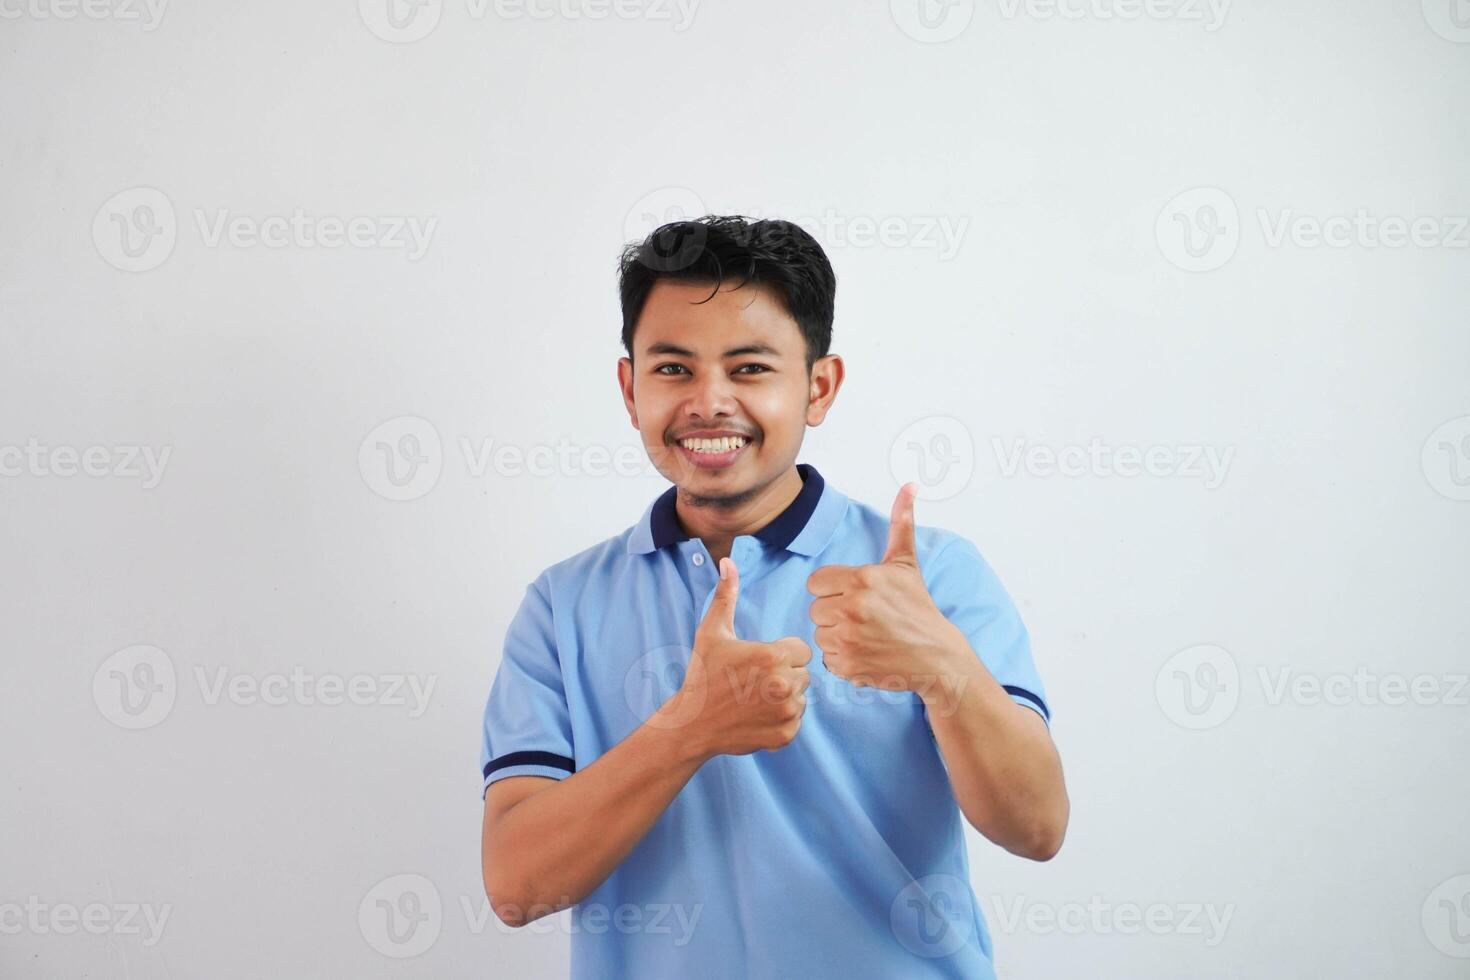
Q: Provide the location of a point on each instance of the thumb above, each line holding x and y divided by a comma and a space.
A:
721, 614
901, 545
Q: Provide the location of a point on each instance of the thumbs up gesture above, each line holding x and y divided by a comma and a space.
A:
739, 695
877, 625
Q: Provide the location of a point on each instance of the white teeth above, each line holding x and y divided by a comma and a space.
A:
721, 445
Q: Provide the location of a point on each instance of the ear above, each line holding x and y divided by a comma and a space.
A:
826, 377
625, 385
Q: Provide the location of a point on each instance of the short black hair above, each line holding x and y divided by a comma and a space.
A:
705, 249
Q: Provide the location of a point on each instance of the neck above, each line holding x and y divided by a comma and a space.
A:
717, 521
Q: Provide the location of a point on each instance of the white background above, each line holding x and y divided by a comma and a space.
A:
1059, 141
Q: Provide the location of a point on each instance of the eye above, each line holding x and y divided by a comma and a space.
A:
762, 369
671, 364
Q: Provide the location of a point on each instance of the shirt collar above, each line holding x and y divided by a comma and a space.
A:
805, 526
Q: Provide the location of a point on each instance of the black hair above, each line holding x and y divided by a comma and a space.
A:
772, 251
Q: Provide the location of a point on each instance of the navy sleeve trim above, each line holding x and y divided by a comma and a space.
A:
550, 759
1021, 692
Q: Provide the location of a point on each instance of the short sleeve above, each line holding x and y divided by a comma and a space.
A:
528, 729
970, 595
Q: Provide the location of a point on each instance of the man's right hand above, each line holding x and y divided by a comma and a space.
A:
738, 695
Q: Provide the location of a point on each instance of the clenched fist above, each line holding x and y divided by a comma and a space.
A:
738, 695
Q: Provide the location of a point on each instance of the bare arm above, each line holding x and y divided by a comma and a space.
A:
1003, 766
547, 843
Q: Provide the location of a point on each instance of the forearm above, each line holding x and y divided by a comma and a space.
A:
550, 850
1003, 767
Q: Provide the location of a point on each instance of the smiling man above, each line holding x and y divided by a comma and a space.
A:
741, 737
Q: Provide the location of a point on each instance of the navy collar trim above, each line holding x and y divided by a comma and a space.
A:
780, 532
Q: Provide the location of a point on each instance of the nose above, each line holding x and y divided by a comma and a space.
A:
710, 396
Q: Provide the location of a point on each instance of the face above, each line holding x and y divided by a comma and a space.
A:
732, 369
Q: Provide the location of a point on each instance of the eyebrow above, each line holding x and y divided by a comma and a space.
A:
663, 347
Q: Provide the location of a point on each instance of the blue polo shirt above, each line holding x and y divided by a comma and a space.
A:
841, 854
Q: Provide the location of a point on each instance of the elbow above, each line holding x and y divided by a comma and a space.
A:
1044, 839
510, 913
516, 905
511, 910
1042, 847
507, 898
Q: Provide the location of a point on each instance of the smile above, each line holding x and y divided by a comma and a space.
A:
713, 453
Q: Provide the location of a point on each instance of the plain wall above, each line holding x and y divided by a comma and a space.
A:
1226, 820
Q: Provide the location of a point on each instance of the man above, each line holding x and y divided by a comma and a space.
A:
739, 736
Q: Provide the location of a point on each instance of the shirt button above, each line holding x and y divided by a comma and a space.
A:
698, 558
